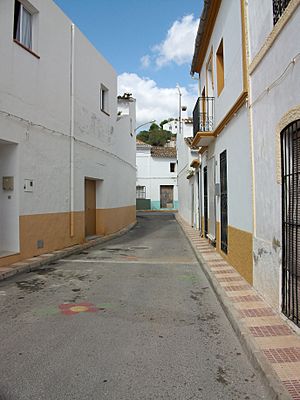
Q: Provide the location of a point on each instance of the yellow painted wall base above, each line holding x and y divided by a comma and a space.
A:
54, 230
111, 220
240, 250
202, 226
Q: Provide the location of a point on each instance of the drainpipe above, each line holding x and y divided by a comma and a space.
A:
72, 132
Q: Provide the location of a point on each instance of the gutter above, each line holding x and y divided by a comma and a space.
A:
200, 34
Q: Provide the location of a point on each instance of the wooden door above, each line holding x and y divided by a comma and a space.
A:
90, 207
166, 196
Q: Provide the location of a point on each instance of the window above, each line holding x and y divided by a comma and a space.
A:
203, 105
220, 68
104, 99
23, 25
290, 153
172, 167
210, 75
278, 9
141, 192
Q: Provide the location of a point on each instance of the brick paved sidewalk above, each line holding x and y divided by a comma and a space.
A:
272, 342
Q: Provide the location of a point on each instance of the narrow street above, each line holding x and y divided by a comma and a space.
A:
132, 319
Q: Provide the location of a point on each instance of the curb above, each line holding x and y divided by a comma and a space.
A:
158, 211
276, 389
34, 263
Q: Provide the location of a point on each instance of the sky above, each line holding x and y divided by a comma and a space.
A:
150, 44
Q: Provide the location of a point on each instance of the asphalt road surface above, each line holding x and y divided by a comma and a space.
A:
132, 319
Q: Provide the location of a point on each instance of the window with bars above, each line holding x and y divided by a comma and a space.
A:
141, 192
278, 9
290, 151
224, 201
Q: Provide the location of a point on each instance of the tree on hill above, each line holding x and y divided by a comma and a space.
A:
155, 136
154, 127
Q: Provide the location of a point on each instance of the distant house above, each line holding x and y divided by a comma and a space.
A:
172, 126
156, 184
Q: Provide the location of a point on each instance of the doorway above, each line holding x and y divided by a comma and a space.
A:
212, 199
90, 207
9, 199
166, 196
224, 207
193, 205
205, 201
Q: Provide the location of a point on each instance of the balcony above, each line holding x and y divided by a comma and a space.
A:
203, 115
278, 9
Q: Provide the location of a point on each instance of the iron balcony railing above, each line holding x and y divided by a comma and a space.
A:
278, 8
203, 115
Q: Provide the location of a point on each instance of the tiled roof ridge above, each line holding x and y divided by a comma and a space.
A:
167, 152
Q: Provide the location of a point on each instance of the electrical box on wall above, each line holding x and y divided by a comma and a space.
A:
8, 183
28, 185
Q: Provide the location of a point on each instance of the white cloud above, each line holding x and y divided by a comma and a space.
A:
154, 102
178, 46
145, 61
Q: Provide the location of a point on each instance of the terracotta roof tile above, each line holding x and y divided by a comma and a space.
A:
139, 143
167, 152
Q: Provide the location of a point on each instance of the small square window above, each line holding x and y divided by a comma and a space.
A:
141, 192
104, 99
172, 167
23, 25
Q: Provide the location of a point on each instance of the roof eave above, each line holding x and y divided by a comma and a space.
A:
206, 25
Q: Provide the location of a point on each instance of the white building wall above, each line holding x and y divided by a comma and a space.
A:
260, 24
268, 111
232, 136
187, 129
235, 140
227, 27
35, 106
172, 126
187, 188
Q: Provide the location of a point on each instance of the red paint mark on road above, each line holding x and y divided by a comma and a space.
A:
78, 308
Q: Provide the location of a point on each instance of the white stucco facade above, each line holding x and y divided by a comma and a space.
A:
188, 176
54, 134
274, 104
224, 134
154, 172
172, 126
